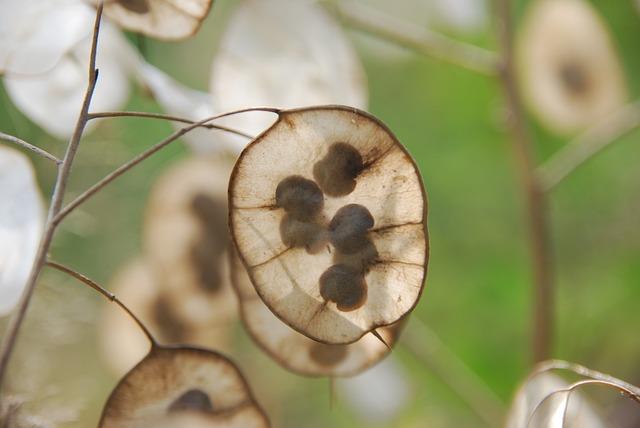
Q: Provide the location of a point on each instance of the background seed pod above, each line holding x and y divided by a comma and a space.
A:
124, 344
295, 351
186, 238
361, 277
173, 383
160, 19
570, 72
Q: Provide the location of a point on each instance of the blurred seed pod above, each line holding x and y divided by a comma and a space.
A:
21, 225
284, 54
183, 387
186, 239
570, 73
329, 218
160, 19
298, 353
561, 394
124, 344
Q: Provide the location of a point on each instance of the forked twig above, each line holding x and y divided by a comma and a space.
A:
11, 334
106, 293
587, 145
419, 39
543, 313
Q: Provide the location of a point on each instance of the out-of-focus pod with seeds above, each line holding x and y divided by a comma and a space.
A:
183, 387
124, 344
570, 72
160, 19
186, 239
328, 213
298, 353
21, 224
561, 394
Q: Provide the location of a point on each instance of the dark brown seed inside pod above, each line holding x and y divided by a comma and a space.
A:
345, 286
327, 355
193, 399
136, 6
296, 233
172, 329
206, 252
360, 260
302, 199
575, 78
348, 228
336, 173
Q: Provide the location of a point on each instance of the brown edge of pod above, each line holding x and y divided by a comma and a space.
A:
196, 350
165, 38
281, 116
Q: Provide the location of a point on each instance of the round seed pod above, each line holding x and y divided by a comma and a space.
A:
570, 73
295, 351
366, 267
186, 238
160, 19
175, 387
124, 344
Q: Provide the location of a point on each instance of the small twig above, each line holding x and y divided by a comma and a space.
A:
144, 155
425, 345
106, 293
543, 313
37, 150
360, 17
108, 114
17, 318
587, 145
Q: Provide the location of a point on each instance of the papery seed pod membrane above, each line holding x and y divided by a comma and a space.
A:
284, 54
180, 387
21, 225
295, 351
571, 75
160, 19
337, 268
186, 237
124, 344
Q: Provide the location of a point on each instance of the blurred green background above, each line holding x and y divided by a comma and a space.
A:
478, 293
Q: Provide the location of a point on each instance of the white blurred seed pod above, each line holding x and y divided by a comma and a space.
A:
21, 225
570, 73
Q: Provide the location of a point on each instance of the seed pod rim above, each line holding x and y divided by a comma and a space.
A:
282, 116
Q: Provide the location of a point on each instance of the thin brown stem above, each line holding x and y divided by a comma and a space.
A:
422, 342
17, 318
360, 17
160, 116
141, 157
543, 313
37, 150
590, 143
106, 293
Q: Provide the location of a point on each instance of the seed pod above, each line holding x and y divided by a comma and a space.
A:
368, 260
298, 353
124, 344
179, 387
186, 237
571, 75
160, 19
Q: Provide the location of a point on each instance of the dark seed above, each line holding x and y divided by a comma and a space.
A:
327, 355
136, 6
300, 198
574, 76
172, 329
348, 228
296, 233
337, 171
345, 286
193, 399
